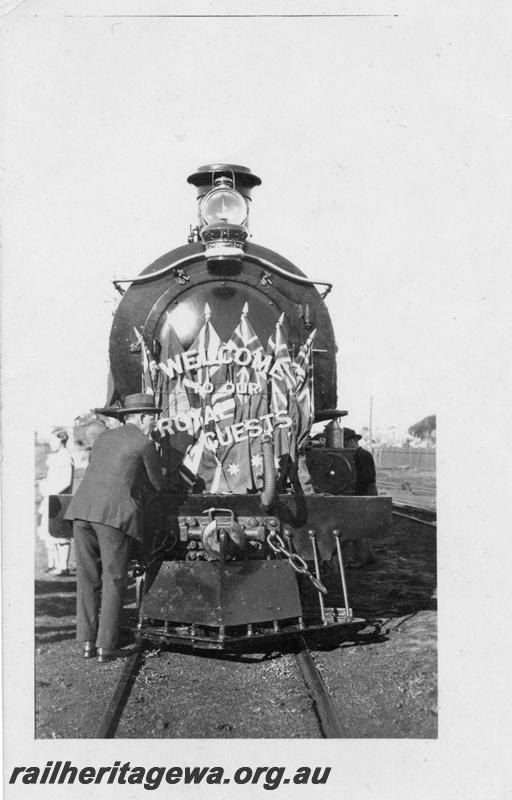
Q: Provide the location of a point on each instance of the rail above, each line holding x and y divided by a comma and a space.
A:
330, 725
416, 514
110, 720
327, 720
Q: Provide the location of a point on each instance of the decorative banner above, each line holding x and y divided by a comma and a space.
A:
242, 456
174, 400
218, 400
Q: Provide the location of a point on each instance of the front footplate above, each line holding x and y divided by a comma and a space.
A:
225, 606
223, 594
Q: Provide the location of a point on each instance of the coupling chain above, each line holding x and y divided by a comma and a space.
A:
276, 544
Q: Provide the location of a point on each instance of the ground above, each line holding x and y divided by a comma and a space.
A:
408, 485
383, 682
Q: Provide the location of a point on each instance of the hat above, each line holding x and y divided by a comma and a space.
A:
348, 433
61, 433
133, 404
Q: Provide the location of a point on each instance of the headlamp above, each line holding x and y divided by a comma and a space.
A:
224, 195
223, 205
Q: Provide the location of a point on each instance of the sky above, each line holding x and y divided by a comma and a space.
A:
357, 126
366, 132
380, 142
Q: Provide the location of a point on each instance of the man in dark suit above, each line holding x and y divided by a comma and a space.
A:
365, 484
107, 514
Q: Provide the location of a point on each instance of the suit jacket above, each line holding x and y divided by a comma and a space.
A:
111, 490
365, 472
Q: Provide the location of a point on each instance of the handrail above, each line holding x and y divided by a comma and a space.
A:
291, 275
248, 256
159, 272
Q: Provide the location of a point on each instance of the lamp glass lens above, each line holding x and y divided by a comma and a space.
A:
223, 205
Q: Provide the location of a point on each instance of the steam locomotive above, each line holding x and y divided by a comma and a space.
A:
238, 347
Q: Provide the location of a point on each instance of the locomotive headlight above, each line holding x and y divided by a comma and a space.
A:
225, 206
224, 196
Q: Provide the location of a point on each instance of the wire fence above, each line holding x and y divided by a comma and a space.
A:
423, 460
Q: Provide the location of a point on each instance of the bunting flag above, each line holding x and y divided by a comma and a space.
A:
212, 378
301, 364
202, 469
206, 386
243, 336
218, 399
302, 408
207, 377
148, 365
283, 378
242, 460
175, 399
282, 382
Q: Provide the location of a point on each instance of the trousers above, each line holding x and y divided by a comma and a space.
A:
362, 549
101, 555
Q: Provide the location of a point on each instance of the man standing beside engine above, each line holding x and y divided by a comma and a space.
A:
365, 484
107, 515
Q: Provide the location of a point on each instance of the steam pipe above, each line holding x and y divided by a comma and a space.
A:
268, 495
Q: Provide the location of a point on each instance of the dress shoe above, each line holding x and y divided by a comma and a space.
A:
111, 655
89, 649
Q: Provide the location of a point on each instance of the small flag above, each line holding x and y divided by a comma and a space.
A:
243, 471
202, 469
302, 406
282, 382
147, 360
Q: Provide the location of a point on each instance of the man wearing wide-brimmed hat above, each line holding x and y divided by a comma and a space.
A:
106, 513
365, 484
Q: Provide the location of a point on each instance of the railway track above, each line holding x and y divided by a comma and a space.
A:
262, 698
421, 514
330, 725
425, 491
326, 722
110, 720
312, 693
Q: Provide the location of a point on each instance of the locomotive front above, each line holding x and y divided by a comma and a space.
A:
238, 348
